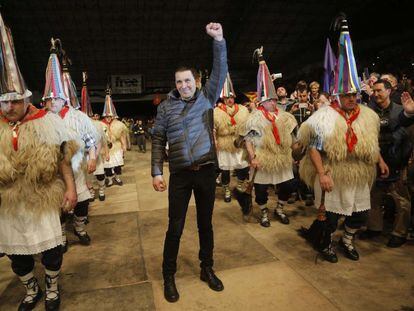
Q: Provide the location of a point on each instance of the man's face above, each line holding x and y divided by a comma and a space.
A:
303, 97
372, 79
54, 105
95, 116
348, 101
185, 84
139, 122
108, 119
281, 92
229, 101
314, 89
381, 95
14, 110
270, 105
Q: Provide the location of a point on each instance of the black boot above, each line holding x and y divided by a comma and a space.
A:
396, 241
264, 219
349, 250
207, 275
33, 295
329, 254
170, 290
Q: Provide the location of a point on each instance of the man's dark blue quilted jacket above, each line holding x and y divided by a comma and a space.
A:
187, 126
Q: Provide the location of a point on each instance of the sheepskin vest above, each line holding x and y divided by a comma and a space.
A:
114, 131
272, 157
346, 168
29, 174
226, 132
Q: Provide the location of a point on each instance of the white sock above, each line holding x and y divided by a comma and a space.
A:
31, 286
348, 236
52, 288
80, 224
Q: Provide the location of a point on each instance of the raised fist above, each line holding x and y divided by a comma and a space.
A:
215, 31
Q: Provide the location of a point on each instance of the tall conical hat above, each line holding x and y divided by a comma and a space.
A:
265, 87
68, 85
54, 82
12, 85
109, 108
228, 90
85, 100
346, 75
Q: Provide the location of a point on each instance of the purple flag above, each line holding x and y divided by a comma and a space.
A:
329, 66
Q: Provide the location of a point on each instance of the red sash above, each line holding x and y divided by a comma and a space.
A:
236, 109
32, 114
63, 112
272, 119
350, 136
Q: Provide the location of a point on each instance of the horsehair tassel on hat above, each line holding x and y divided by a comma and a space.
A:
346, 75
228, 90
109, 108
265, 87
12, 85
54, 85
85, 100
68, 84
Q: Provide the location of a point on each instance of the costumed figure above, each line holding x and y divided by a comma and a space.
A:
36, 181
102, 151
229, 118
77, 122
116, 133
269, 138
342, 152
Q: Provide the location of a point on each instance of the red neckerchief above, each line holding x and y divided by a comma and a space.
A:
350, 137
32, 114
236, 109
64, 111
272, 119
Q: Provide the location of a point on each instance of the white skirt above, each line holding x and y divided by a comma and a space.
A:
272, 178
231, 160
116, 159
344, 199
28, 232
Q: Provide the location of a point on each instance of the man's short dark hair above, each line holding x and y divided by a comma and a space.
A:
386, 84
187, 68
301, 86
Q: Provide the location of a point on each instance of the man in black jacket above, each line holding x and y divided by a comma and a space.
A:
396, 149
184, 120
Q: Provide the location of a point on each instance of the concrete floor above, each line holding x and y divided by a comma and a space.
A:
261, 268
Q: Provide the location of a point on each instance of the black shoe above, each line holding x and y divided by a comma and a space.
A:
396, 241
281, 217
52, 305
309, 200
369, 234
2, 255
329, 255
25, 306
170, 290
207, 275
102, 198
84, 239
118, 181
349, 251
293, 198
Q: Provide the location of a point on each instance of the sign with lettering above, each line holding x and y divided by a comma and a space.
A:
127, 84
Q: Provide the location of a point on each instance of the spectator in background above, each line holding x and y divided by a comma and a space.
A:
283, 102
139, 132
322, 101
395, 91
301, 85
314, 91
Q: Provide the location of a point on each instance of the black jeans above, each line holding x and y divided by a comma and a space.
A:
242, 174
51, 260
285, 189
181, 185
355, 221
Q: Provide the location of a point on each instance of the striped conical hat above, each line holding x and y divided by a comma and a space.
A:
54, 82
228, 90
85, 100
346, 75
109, 108
68, 85
12, 85
265, 87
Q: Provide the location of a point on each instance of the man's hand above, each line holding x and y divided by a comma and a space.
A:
215, 31
70, 198
407, 102
91, 166
255, 163
158, 183
326, 182
295, 107
384, 170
